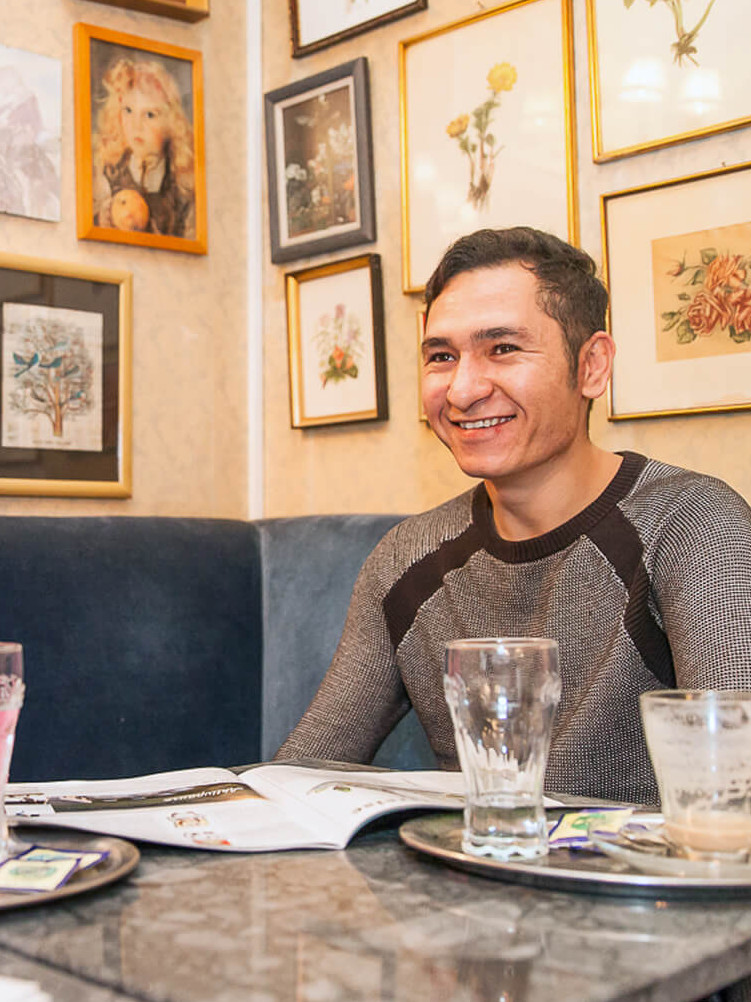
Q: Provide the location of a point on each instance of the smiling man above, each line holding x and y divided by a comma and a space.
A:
640, 570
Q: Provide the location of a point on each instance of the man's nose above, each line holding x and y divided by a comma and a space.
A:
469, 384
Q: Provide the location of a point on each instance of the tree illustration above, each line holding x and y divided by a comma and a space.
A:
52, 371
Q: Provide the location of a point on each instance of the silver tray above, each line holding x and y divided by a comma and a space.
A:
440, 836
122, 859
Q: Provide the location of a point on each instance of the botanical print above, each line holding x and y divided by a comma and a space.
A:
320, 167
142, 141
30, 130
702, 284
338, 339
684, 47
479, 145
52, 378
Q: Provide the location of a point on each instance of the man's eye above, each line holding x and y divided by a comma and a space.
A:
504, 349
438, 356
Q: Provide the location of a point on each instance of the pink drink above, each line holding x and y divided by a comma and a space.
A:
8, 719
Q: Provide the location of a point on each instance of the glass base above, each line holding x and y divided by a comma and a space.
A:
504, 849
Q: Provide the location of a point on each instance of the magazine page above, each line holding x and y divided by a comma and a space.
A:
197, 808
348, 799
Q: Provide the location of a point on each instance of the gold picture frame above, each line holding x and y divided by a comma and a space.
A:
677, 262
162, 202
182, 10
65, 380
509, 159
659, 77
337, 359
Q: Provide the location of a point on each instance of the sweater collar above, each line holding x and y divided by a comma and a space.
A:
564, 535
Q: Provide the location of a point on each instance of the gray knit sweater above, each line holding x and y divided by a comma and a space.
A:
649, 587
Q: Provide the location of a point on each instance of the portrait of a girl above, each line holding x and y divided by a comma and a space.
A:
143, 150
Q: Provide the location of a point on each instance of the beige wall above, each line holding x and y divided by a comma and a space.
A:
397, 465
190, 311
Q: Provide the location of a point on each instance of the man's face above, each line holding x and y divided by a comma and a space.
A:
497, 385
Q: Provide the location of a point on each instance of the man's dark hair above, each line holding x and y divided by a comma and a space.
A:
569, 290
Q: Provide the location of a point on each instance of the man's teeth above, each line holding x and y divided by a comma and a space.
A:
484, 423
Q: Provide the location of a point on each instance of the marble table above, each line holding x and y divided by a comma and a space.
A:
375, 922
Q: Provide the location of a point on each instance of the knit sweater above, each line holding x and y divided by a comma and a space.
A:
648, 587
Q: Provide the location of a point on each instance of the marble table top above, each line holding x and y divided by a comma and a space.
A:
375, 922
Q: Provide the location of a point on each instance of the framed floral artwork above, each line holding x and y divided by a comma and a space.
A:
665, 71
677, 259
315, 25
182, 10
487, 129
30, 134
140, 164
319, 153
65, 379
337, 359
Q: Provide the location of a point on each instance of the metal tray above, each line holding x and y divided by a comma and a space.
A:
440, 836
122, 859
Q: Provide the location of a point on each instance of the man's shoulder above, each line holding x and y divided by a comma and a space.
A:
661, 490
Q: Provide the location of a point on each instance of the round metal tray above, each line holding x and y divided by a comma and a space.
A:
122, 859
440, 836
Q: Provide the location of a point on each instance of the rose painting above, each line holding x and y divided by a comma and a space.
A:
702, 293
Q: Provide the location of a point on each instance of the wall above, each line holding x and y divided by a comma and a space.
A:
397, 465
190, 413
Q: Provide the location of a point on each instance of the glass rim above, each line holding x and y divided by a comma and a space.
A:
695, 696
471, 643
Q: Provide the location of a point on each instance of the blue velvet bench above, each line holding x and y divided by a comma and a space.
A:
163, 643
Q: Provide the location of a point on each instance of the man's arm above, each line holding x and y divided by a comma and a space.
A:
362, 697
702, 582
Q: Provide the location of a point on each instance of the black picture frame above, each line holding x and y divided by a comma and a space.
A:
37, 296
322, 41
319, 152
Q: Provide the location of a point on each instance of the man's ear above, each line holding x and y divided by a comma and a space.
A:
596, 364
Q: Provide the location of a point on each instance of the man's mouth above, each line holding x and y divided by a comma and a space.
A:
484, 422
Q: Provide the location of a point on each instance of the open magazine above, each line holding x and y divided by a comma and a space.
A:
267, 807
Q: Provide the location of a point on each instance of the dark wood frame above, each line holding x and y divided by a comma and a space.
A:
182, 10
282, 251
298, 50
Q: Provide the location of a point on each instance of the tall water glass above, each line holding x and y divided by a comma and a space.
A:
11, 700
502, 694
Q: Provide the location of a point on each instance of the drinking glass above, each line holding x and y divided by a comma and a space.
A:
11, 699
700, 746
502, 693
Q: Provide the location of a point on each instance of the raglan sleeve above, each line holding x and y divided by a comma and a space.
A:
362, 696
702, 584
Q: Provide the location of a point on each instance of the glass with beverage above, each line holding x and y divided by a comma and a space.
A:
11, 700
502, 694
700, 746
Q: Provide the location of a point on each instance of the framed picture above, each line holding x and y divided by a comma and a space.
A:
65, 374
677, 259
337, 358
31, 132
317, 25
663, 73
183, 10
487, 129
320, 163
140, 166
